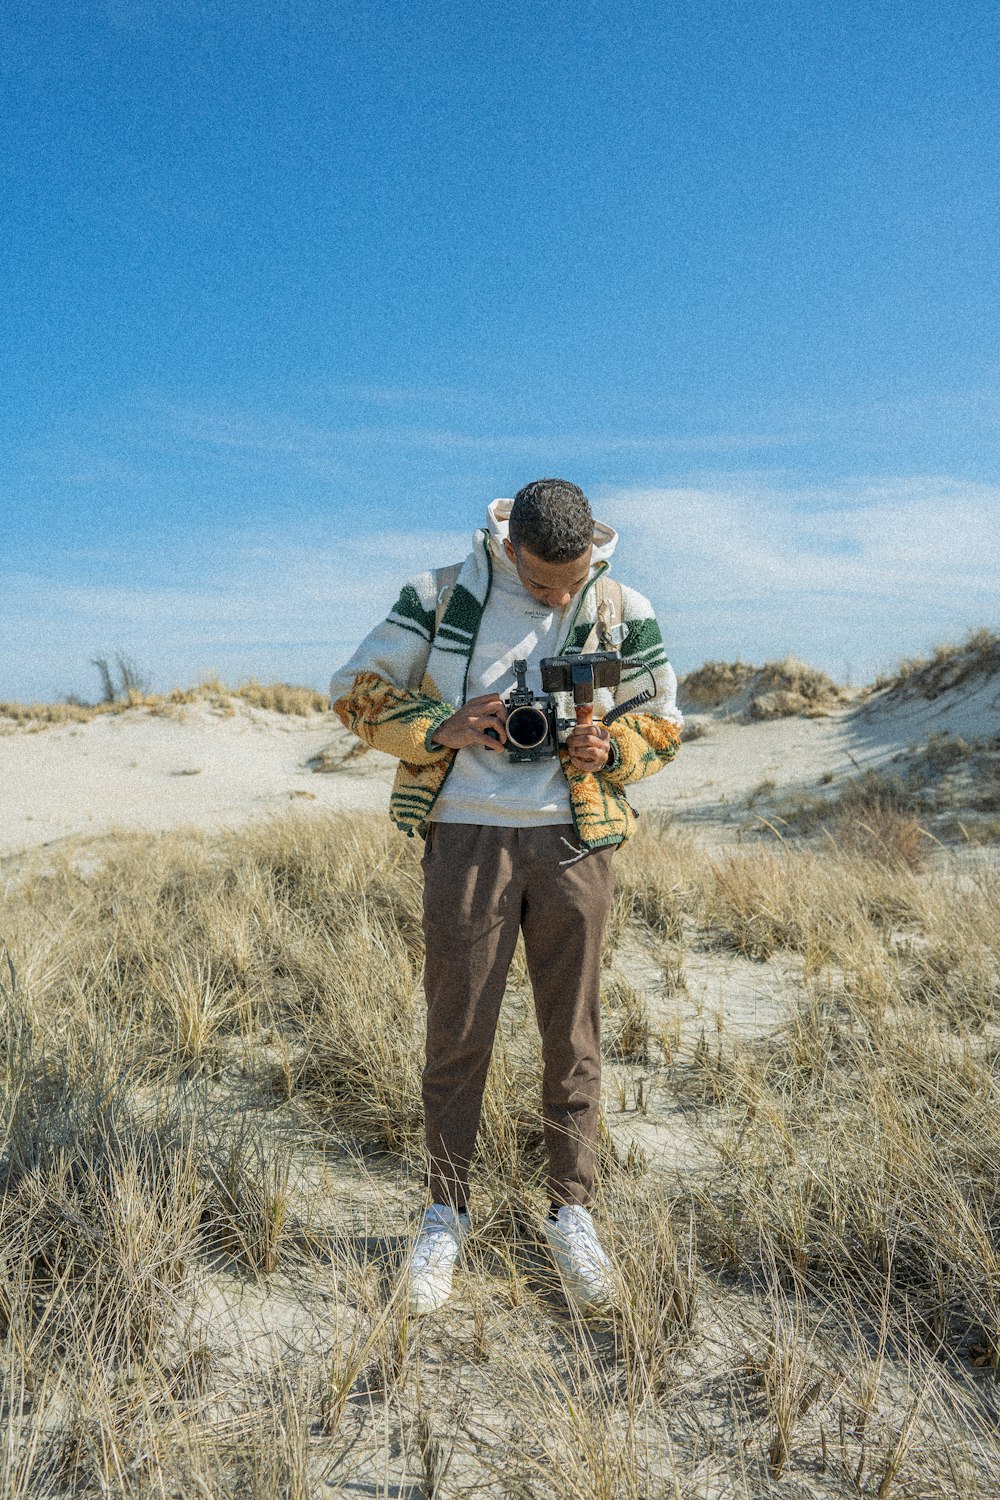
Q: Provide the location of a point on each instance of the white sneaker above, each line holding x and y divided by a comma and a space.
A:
587, 1273
432, 1259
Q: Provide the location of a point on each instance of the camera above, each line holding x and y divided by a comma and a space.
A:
534, 723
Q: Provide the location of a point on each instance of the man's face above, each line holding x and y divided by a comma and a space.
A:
552, 584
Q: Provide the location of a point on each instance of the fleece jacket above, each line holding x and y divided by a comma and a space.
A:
411, 673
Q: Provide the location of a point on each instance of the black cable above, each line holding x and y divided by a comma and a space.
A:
626, 708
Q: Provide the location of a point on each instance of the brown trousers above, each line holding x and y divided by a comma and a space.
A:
481, 886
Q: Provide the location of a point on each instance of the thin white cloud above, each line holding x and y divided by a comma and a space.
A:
268, 608
856, 575
388, 395
850, 577
871, 537
287, 436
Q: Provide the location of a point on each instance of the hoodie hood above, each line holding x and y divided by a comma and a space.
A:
498, 515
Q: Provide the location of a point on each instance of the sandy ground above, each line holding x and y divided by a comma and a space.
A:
213, 769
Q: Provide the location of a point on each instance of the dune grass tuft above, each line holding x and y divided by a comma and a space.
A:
276, 697
210, 1159
778, 689
949, 665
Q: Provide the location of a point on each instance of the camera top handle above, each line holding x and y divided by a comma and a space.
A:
582, 674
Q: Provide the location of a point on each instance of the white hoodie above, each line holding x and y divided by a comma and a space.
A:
484, 786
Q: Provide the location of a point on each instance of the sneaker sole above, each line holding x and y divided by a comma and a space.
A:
586, 1302
581, 1297
419, 1307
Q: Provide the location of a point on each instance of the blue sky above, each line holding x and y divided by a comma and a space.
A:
292, 291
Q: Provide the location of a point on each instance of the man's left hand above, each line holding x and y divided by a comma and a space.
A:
589, 747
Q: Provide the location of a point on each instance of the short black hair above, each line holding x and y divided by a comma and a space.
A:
553, 519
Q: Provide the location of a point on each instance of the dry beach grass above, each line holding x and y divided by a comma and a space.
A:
124, 694
949, 666
776, 690
209, 1146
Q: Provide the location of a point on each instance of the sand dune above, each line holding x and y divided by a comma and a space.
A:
222, 768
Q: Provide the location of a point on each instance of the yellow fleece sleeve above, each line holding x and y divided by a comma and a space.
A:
393, 719
644, 744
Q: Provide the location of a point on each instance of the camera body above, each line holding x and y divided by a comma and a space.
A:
534, 723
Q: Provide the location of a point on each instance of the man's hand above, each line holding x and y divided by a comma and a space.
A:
589, 747
473, 724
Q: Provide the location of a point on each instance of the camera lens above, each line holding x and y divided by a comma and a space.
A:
527, 728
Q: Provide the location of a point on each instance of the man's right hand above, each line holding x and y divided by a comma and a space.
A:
472, 724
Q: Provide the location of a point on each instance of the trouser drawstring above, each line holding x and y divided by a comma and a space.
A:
578, 853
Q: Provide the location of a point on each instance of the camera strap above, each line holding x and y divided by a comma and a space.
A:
446, 578
608, 631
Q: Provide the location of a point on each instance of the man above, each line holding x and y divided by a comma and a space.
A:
512, 846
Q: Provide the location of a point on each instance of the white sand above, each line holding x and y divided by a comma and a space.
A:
142, 770
734, 758
202, 767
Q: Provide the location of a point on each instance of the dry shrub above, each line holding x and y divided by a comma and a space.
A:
950, 772
814, 904
778, 689
944, 750
661, 874
883, 831
948, 667
335, 757
715, 682
875, 816
307, 931
246, 1215
796, 678
282, 697
865, 1164
696, 727
99, 1213
655, 1253
950, 966
629, 1040
861, 1148
941, 790
277, 697
780, 704
357, 1004
20, 715
751, 909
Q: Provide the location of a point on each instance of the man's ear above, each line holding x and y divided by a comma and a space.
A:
508, 547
